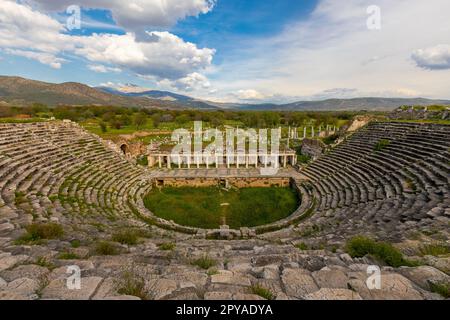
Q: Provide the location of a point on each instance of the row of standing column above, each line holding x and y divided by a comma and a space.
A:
249, 161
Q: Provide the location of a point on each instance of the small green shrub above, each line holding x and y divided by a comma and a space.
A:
212, 272
167, 246
302, 246
262, 292
129, 237
331, 139
382, 144
105, 248
204, 262
304, 159
132, 284
38, 232
359, 247
75, 243
68, 256
142, 161
43, 262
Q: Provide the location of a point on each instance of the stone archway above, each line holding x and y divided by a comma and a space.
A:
124, 148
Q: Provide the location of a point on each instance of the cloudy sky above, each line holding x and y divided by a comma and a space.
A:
234, 50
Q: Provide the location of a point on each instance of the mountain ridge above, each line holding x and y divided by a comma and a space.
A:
22, 91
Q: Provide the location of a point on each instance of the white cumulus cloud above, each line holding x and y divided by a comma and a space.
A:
103, 69
433, 58
29, 33
137, 15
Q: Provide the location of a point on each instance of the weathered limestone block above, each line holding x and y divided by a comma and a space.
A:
247, 297
107, 289
424, 276
333, 294
393, 287
57, 289
327, 278
3, 283
6, 295
5, 228
30, 271
160, 288
23, 286
230, 278
298, 282
218, 296
7, 260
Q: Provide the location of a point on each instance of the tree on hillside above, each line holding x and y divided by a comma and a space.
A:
140, 120
103, 127
156, 118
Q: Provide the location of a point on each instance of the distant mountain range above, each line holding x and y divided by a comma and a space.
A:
186, 101
21, 91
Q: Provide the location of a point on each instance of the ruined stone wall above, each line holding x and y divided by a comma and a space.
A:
187, 182
259, 182
233, 182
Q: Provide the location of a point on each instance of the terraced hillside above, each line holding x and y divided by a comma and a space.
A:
67, 199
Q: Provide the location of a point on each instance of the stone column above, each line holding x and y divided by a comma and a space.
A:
285, 161
169, 162
160, 162
304, 133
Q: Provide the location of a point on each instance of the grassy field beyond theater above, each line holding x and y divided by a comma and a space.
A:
211, 207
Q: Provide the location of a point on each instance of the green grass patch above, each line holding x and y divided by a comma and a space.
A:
37, 233
44, 262
129, 237
132, 284
68, 256
262, 292
302, 246
359, 247
167, 246
382, 144
106, 248
435, 249
204, 262
204, 207
75, 243
441, 288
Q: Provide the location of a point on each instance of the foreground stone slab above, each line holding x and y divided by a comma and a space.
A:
393, 287
333, 294
24, 287
425, 275
30, 271
331, 279
7, 260
298, 282
57, 289
230, 278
